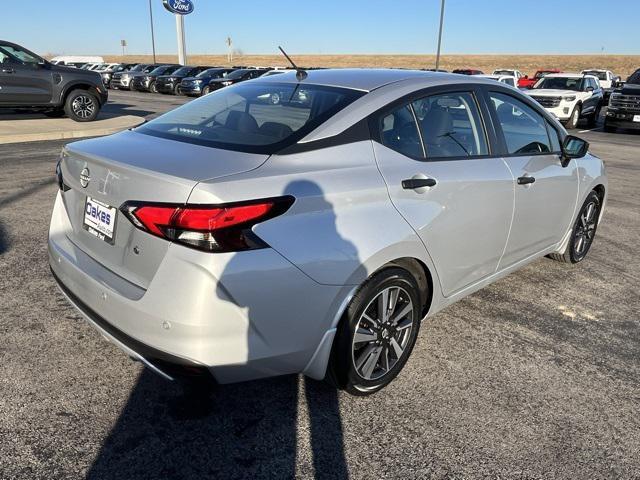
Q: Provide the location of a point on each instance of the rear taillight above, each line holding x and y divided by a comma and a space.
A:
212, 228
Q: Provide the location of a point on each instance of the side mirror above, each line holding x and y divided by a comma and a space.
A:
589, 89
573, 147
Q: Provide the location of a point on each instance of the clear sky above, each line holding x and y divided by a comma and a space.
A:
328, 26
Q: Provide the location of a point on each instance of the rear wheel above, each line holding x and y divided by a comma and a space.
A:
377, 333
82, 106
584, 231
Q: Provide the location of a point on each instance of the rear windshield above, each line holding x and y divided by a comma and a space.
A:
600, 75
252, 117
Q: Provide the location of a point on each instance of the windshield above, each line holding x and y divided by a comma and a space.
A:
541, 74
252, 117
634, 77
210, 72
164, 69
184, 71
503, 72
237, 74
560, 83
600, 75
138, 68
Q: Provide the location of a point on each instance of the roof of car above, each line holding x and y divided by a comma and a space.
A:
365, 79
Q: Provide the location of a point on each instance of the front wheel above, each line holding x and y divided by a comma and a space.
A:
377, 333
206, 91
82, 106
574, 118
583, 233
153, 88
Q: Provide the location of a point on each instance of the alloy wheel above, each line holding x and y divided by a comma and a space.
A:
382, 333
586, 229
83, 106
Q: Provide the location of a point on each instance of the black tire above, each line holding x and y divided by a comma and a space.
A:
153, 88
575, 251
177, 90
55, 113
205, 91
593, 118
82, 106
342, 371
575, 117
609, 128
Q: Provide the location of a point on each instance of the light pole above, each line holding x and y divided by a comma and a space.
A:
153, 40
440, 34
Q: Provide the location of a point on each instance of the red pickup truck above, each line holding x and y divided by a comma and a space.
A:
526, 82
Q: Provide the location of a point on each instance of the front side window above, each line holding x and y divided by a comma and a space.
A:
252, 117
450, 125
524, 129
18, 54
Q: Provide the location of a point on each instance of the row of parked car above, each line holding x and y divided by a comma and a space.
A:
179, 79
572, 97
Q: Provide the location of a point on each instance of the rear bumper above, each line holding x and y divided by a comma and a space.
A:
241, 316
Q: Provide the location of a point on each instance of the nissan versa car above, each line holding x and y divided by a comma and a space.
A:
258, 231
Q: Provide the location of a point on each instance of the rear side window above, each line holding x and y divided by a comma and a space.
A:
252, 117
450, 126
524, 129
399, 132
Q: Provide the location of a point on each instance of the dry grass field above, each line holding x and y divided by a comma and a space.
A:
620, 64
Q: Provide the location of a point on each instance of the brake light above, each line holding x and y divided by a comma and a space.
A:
212, 228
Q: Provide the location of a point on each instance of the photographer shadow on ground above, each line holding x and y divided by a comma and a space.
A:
245, 430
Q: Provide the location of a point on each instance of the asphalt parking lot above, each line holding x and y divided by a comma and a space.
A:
536, 376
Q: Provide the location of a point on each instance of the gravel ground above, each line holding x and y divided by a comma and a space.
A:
536, 376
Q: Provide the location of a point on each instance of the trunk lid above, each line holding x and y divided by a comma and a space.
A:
131, 166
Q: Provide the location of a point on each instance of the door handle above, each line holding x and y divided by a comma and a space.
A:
413, 183
526, 180
8, 70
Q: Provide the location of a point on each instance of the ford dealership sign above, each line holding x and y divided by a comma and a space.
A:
180, 7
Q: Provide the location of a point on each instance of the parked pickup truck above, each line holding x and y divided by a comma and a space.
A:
526, 82
569, 97
29, 82
624, 105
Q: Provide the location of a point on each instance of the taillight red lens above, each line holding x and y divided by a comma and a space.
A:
219, 228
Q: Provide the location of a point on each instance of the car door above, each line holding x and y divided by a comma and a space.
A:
435, 156
593, 88
545, 191
24, 79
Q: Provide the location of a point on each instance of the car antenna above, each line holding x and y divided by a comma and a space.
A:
300, 73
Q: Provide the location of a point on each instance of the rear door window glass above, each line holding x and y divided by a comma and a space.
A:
451, 126
399, 132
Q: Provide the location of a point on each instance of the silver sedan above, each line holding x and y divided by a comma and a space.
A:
307, 222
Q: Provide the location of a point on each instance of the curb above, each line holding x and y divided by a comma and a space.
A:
125, 122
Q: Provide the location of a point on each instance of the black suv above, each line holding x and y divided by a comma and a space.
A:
147, 82
28, 81
624, 105
171, 83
